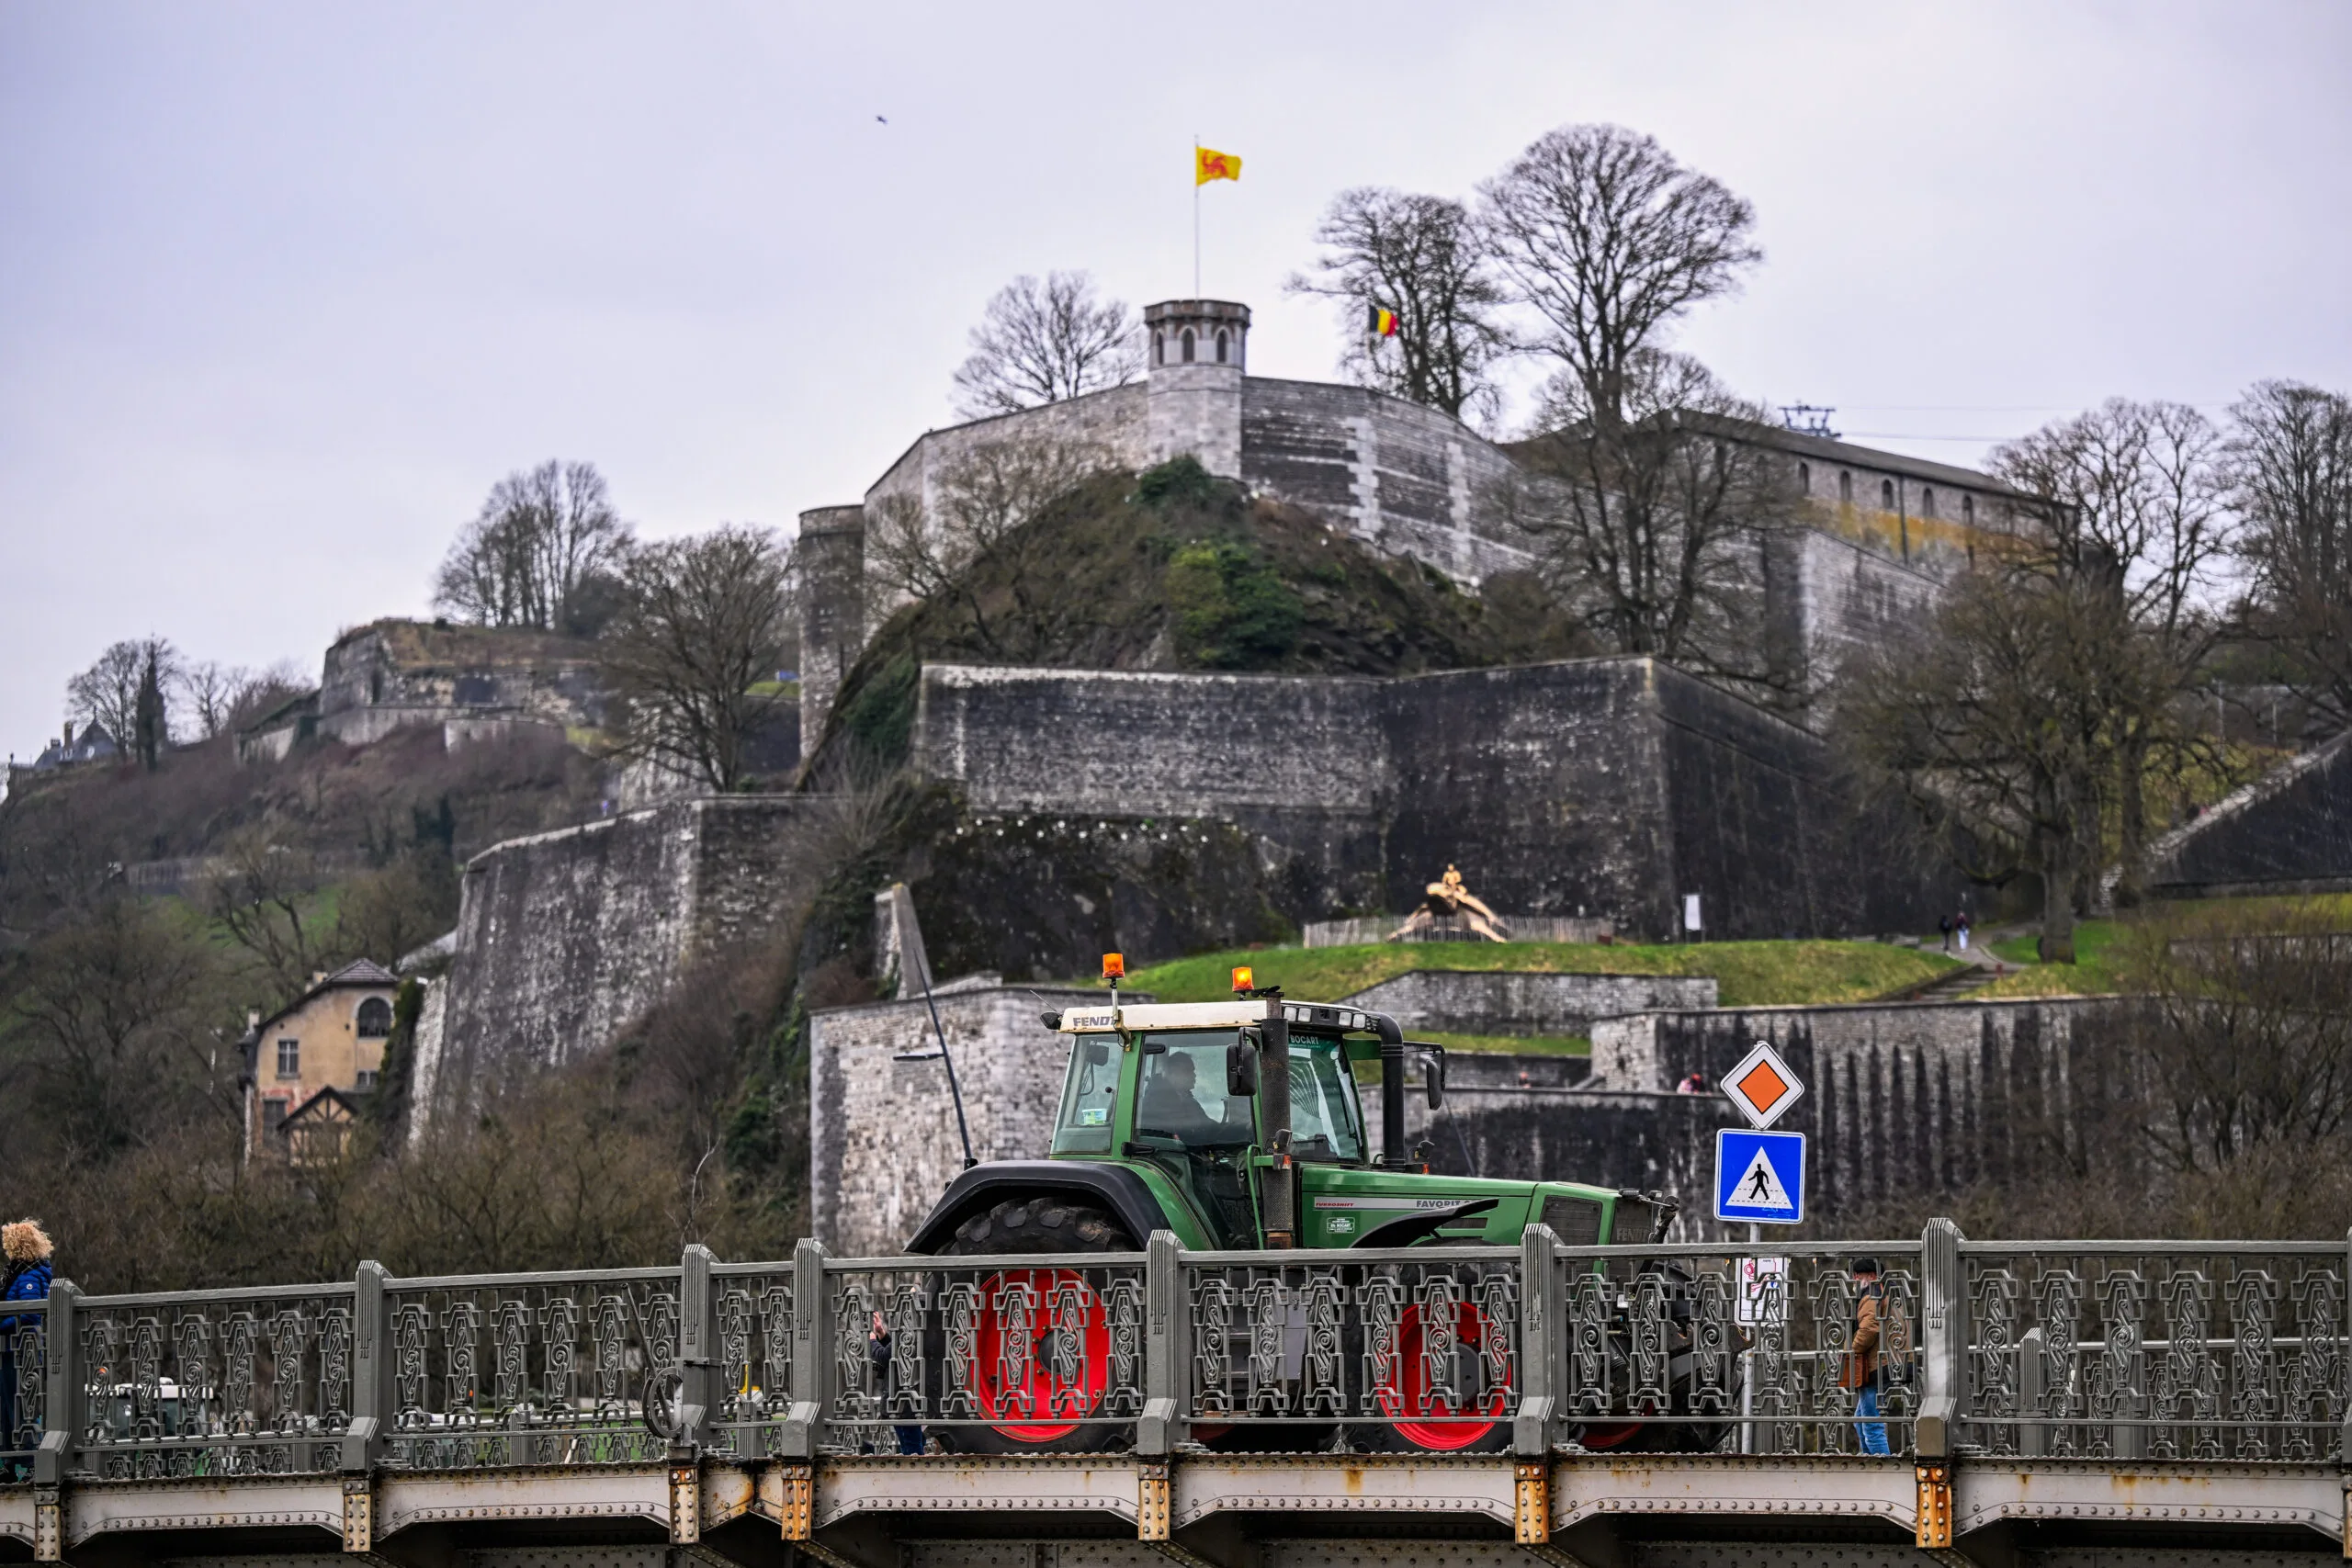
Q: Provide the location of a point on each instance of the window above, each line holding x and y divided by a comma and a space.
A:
1186, 341
274, 1110
367, 1080
1159, 348
1323, 1119
1846, 487
1180, 1096
1804, 479
1089, 1095
1220, 346
375, 1018
290, 1058
1926, 504
1968, 510
1886, 495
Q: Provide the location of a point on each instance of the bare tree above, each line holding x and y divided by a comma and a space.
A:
2132, 507
1043, 342
212, 690
265, 898
1423, 258
106, 1021
1649, 531
107, 694
1999, 723
1606, 239
2248, 1038
983, 506
2289, 474
534, 556
692, 656
219, 697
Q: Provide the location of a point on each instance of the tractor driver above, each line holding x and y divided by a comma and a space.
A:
1170, 1108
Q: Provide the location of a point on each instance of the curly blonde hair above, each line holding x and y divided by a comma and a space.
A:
24, 1241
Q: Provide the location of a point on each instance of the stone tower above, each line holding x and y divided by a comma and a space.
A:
831, 556
1198, 350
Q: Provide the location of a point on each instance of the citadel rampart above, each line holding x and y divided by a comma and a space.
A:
563, 937
2288, 832
1607, 788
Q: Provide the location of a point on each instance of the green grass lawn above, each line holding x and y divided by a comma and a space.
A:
2100, 945
1515, 1045
1747, 974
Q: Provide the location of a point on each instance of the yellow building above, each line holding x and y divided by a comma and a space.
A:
311, 1061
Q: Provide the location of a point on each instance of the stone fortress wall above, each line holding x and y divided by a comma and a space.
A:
565, 938
397, 672
1880, 531
1603, 788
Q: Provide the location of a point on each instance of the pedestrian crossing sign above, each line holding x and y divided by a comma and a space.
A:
1759, 1177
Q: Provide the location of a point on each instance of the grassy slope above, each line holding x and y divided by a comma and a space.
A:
2100, 945
1748, 973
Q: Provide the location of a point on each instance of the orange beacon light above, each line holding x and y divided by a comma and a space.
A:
1114, 966
1243, 980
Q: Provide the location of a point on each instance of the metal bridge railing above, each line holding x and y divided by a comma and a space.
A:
2157, 1350
2105, 1350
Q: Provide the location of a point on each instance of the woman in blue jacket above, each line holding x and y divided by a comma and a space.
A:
25, 1249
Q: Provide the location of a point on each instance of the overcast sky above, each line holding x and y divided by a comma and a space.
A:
284, 288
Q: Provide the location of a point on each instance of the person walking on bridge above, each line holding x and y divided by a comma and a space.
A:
25, 1249
1865, 1368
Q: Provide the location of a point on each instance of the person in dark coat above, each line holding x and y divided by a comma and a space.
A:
878, 1351
25, 1249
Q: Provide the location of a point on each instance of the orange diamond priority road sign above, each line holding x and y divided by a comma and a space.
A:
1763, 1086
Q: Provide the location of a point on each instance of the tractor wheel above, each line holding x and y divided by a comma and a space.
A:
1031, 1225
1416, 1421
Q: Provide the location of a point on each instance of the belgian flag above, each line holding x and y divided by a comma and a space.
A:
1384, 322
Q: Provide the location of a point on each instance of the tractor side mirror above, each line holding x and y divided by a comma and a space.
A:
1241, 1067
1433, 1080
1097, 1052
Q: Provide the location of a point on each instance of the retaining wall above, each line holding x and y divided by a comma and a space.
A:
1488, 1002
882, 1132
564, 938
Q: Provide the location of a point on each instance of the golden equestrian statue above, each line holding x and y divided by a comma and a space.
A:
1450, 899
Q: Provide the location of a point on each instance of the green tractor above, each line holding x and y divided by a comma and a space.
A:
1237, 1126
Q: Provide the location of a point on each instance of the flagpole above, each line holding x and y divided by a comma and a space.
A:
1196, 216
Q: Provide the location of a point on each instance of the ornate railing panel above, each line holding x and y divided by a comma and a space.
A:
539, 1368
1754, 1350
1425, 1342
213, 1383
752, 1306
24, 1383
2134, 1350
1034, 1348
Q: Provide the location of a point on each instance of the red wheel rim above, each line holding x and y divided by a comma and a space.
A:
1414, 1397
1021, 1312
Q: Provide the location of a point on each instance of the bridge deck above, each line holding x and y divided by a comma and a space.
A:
1304, 1510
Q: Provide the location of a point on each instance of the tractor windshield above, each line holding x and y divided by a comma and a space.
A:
1323, 1119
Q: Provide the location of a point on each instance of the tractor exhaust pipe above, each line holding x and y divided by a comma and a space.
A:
1392, 1091
1280, 1185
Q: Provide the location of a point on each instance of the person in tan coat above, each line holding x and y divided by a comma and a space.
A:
1865, 1368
